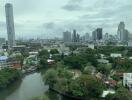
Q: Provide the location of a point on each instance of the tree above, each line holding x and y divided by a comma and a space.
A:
89, 69
121, 94
50, 77
73, 48
75, 61
7, 76
54, 51
90, 83
43, 53
76, 89
43, 62
104, 68
86, 86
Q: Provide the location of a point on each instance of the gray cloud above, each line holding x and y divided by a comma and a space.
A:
49, 25
73, 5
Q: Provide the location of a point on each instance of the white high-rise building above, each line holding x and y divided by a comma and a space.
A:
10, 24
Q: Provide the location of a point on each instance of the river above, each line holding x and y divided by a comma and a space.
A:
30, 86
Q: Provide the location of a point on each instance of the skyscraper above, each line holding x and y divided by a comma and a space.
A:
67, 36
77, 38
74, 36
122, 32
94, 35
106, 36
87, 37
99, 33
10, 24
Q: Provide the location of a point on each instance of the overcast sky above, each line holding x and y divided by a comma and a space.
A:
49, 18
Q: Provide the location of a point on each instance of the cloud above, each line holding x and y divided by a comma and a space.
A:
49, 25
73, 5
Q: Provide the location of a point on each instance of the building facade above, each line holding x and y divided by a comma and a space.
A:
97, 34
10, 24
74, 36
122, 32
67, 36
127, 80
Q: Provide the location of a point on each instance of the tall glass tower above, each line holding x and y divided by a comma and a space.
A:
10, 24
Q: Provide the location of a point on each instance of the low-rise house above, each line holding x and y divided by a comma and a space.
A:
102, 56
17, 64
111, 83
31, 60
115, 55
103, 61
15, 60
33, 53
130, 58
19, 48
3, 62
50, 61
127, 80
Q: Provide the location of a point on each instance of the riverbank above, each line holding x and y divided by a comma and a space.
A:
66, 95
8, 76
32, 85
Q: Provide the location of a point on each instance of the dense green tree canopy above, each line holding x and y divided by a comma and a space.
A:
50, 77
121, 94
43, 53
85, 85
7, 76
54, 51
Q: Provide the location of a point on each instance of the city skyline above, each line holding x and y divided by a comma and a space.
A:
49, 19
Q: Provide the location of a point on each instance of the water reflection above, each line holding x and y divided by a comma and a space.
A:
12, 88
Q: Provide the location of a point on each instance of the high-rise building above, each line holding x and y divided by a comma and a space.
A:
126, 35
106, 36
122, 32
10, 24
67, 36
74, 36
87, 36
99, 33
77, 38
2, 41
94, 35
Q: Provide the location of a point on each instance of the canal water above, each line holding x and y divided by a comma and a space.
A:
30, 86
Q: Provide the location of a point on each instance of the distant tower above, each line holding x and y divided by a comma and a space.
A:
10, 24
